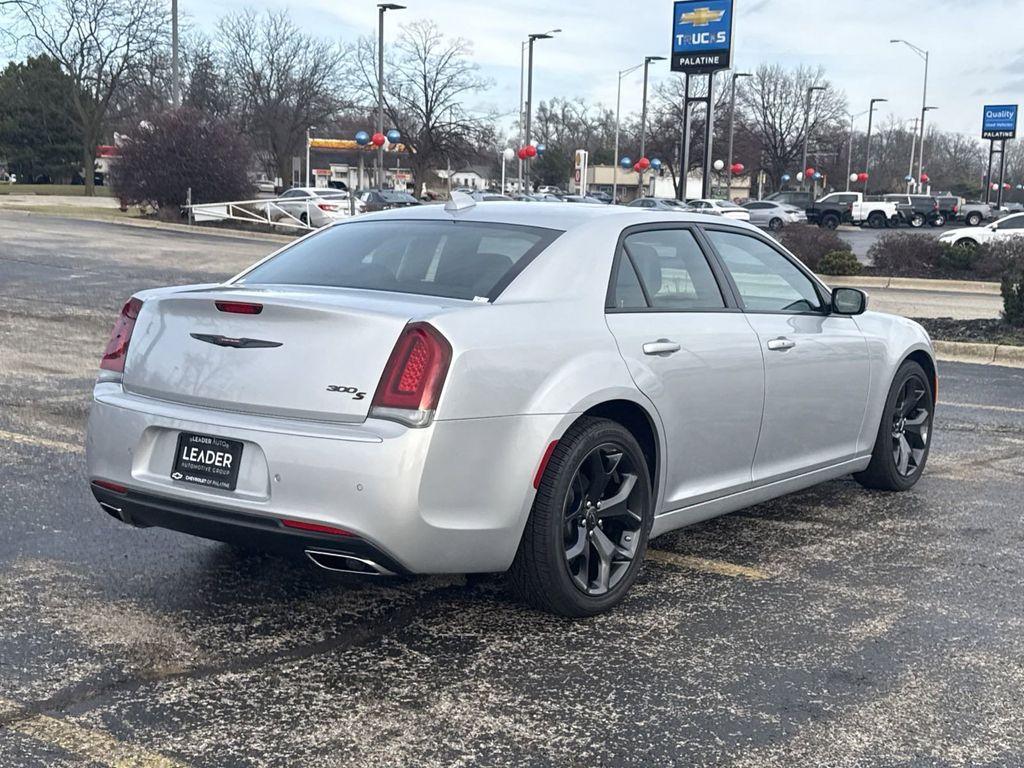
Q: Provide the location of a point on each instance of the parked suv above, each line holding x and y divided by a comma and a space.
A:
974, 212
802, 200
917, 210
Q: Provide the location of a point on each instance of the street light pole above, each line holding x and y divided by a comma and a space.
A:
807, 124
309, 170
732, 124
529, 90
643, 121
923, 54
867, 150
382, 7
175, 71
849, 150
618, 109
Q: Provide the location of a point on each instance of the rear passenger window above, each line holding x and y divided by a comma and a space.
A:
673, 270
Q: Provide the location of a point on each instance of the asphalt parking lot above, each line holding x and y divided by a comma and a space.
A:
833, 627
861, 239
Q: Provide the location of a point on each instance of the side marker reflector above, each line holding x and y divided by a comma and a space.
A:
544, 463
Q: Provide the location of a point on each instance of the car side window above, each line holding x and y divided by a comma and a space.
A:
766, 280
1015, 222
672, 268
627, 292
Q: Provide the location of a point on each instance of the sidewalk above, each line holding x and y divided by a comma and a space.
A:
912, 297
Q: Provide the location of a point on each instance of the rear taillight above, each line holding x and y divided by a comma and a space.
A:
117, 347
411, 383
328, 206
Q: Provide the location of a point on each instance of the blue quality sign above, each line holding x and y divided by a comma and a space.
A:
701, 35
999, 122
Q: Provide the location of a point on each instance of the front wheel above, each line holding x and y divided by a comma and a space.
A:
775, 224
917, 221
973, 219
904, 434
938, 221
830, 221
587, 533
876, 220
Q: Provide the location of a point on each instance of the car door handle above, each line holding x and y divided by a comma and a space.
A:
781, 344
661, 347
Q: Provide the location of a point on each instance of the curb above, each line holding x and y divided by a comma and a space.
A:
913, 284
161, 225
981, 354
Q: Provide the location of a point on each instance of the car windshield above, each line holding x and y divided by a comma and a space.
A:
454, 259
398, 197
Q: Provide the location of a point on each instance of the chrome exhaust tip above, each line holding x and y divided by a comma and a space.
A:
339, 562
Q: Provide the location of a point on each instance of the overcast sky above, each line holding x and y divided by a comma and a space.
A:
977, 49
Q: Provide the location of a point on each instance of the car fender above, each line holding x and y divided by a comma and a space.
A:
891, 340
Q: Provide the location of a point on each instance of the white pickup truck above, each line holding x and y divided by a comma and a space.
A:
851, 208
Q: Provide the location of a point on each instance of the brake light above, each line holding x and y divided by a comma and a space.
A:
411, 383
328, 206
239, 307
117, 347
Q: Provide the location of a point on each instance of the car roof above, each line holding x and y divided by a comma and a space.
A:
559, 216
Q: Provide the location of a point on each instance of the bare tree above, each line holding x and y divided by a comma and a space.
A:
287, 80
428, 78
98, 43
774, 102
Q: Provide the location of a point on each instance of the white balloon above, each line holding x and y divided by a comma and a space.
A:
800, 176
719, 165
853, 177
534, 142
509, 154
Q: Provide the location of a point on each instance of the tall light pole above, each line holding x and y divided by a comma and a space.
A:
618, 109
732, 124
529, 91
309, 170
807, 123
381, 7
522, 82
920, 149
924, 101
175, 72
849, 149
643, 120
867, 150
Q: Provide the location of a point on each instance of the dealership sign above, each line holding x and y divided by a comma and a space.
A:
701, 35
999, 121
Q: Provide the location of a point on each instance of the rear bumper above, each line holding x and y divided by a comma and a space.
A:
449, 498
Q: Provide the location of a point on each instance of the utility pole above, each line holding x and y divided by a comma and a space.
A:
732, 124
381, 7
643, 121
618, 109
529, 93
867, 150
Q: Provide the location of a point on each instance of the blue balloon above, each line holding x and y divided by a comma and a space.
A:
540, 149
786, 177
656, 164
817, 174
625, 162
394, 136
908, 177
362, 138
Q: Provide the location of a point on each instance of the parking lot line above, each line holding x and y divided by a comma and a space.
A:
87, 743
719, 567
1003, 409
39, 442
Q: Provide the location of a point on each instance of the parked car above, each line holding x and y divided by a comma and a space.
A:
489, 196
917, 210
386, 396
974, 212
547, 197
550, 190
660, 204
581, 199
719, 208
371, 200
604, 197
1011, 226
312, 206
852, 208
799, 198
774, 215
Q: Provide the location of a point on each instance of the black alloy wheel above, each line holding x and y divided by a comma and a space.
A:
775, 224
904, 435
585, 539
601, 531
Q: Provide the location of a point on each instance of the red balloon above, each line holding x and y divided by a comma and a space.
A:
862, 176
643, 163
530, 150
924, 178
1006, 186
809, 172
378, 139
522, 153
737, 168
636, 167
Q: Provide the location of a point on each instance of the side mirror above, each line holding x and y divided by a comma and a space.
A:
849, 301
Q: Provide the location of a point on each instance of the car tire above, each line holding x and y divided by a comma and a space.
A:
574, 559
304, 219
829, 221
904, 433
917, 221
938, 221
966, 243
973, 219
775, 224
876, 220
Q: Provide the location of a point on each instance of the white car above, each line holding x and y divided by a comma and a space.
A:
490, 387
1011, 226
720, 208
312, 206
774, 215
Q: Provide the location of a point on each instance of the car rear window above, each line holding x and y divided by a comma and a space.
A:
454, 259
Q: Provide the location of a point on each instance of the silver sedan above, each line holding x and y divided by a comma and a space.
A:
774, 215
499, 387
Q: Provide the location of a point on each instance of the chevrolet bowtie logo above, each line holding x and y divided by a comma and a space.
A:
701, 17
